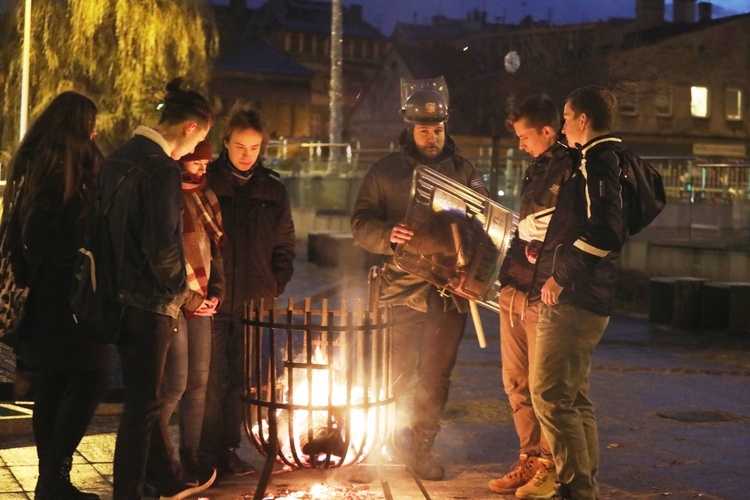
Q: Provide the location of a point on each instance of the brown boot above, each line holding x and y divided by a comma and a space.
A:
521, 473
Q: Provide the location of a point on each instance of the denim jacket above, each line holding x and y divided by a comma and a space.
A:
145, 217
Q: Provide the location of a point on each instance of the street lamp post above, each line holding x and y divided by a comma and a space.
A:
335, 92
25, 71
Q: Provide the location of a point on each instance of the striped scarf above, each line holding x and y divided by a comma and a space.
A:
202, 230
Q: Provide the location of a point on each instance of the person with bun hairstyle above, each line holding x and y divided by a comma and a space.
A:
258, 263
57, 161
141, 183
186, 372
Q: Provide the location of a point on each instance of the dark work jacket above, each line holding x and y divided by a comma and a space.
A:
381, 204
146, 224
539, 191
259, 256
587, 231
49, 338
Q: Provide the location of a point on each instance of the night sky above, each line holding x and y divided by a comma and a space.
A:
383, 14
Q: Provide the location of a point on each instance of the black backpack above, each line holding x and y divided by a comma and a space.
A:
644, 187
94, 289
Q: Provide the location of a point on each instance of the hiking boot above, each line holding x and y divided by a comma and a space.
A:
520, 473
542, 485
193, 463
230, 463
188, 486
416, 451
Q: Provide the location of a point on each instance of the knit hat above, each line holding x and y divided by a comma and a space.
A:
203, 151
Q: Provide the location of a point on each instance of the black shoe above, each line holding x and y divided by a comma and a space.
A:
188, 486
54, 484
195, 465
230, 463
563, 491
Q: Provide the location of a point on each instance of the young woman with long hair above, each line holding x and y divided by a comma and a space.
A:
57, 160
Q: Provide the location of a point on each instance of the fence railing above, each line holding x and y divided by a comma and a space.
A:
685, 177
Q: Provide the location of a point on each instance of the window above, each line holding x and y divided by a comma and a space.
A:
287, 42
733, 104
699, 102
628, 100
663, 102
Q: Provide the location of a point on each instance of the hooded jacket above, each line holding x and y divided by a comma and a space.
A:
587, 231
382, 202
259, 256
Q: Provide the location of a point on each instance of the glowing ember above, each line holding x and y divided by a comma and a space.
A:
324, 492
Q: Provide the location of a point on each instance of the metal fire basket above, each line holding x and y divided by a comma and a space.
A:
318, 384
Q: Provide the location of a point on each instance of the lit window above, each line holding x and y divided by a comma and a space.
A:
733, 104
628, 99
699, 102
663, 102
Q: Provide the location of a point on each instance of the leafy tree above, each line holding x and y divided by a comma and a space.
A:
121, 53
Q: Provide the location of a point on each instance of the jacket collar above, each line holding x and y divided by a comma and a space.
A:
153, 135
596, 141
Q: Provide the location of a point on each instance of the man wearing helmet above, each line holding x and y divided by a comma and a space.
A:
428, 325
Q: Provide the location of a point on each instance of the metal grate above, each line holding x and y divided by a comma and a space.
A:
318, 385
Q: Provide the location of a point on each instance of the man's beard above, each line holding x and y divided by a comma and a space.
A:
430, 157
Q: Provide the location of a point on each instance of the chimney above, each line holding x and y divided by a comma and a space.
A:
705, 11
684, 11
649, 13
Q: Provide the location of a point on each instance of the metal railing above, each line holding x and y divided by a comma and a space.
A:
685, 177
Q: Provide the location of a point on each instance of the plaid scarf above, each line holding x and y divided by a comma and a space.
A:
202, 230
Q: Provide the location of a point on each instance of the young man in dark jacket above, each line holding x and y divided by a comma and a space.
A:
536, 123
141, 181
428, 326
258, 263
575, 281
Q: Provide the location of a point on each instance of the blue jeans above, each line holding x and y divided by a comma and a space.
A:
565, 340
186, 377
142, 437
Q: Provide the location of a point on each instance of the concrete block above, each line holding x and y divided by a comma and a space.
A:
676, 301
726, 306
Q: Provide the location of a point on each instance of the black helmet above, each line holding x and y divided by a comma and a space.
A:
426, 107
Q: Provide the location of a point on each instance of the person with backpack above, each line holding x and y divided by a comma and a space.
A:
188, 358
536, 123
57, 160
258, 263
575, 280
141, 184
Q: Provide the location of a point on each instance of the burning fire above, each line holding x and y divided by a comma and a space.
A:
316, 429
